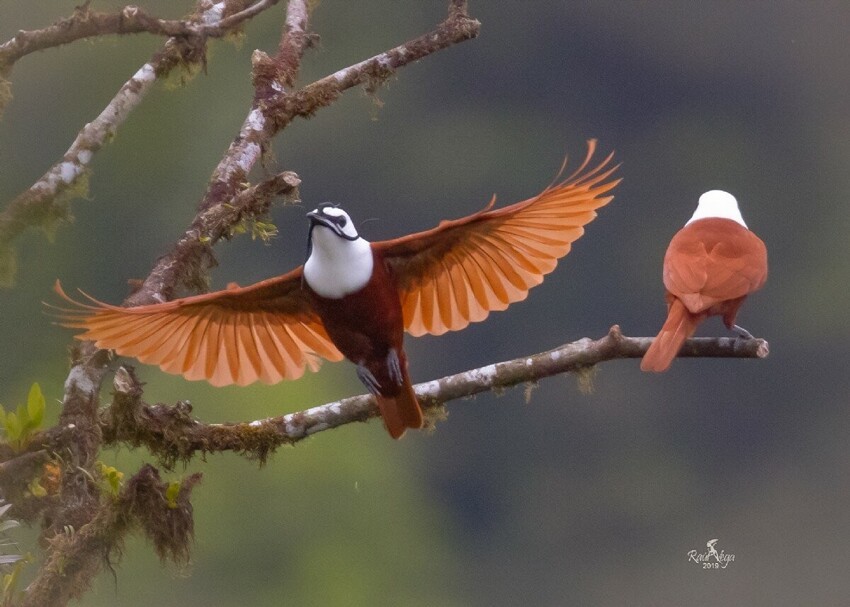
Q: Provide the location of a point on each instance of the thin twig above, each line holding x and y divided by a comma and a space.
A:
85, 23
372, 72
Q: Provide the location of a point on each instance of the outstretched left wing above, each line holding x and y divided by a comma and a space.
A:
460, 271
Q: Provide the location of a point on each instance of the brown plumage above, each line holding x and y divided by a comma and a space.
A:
710, 267
443, 278
366, 325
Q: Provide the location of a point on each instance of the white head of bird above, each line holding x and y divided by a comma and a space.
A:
717, 203
340, 261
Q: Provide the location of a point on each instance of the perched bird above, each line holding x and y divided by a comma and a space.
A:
355, 299
710, 267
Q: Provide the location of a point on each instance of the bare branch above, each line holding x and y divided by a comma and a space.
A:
374, 71
274, 107
273, 75
45, 202
174, 435
85, 23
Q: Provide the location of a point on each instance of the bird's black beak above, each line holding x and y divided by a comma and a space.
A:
334, 223
317, 218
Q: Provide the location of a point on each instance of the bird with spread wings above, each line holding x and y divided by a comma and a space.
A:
446, 278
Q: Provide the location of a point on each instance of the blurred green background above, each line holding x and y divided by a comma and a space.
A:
567, 499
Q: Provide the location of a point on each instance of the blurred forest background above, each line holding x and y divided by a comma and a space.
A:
569, 498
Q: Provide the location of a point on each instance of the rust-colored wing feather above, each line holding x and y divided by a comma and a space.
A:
714, 260
460, 271
266, 332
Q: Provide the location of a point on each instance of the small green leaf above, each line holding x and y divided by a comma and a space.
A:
112, 476
115, 477
26, 418
13, 427
36, 489
35, 406
10, 580
171, 494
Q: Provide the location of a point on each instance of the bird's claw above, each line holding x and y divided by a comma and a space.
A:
742, 332
394, 367
365, 376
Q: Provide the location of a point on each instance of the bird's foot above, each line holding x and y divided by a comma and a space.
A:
742, 332
394, 367
369, 380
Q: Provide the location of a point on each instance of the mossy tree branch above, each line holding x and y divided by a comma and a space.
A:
174, 435
76, 554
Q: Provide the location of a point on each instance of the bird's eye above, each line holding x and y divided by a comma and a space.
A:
340, 221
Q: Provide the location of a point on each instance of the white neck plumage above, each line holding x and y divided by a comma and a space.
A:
720, 204
337, 267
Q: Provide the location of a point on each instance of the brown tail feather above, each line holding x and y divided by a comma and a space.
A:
678, 327
401, 411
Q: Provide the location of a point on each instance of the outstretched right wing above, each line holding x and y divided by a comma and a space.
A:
266, 331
